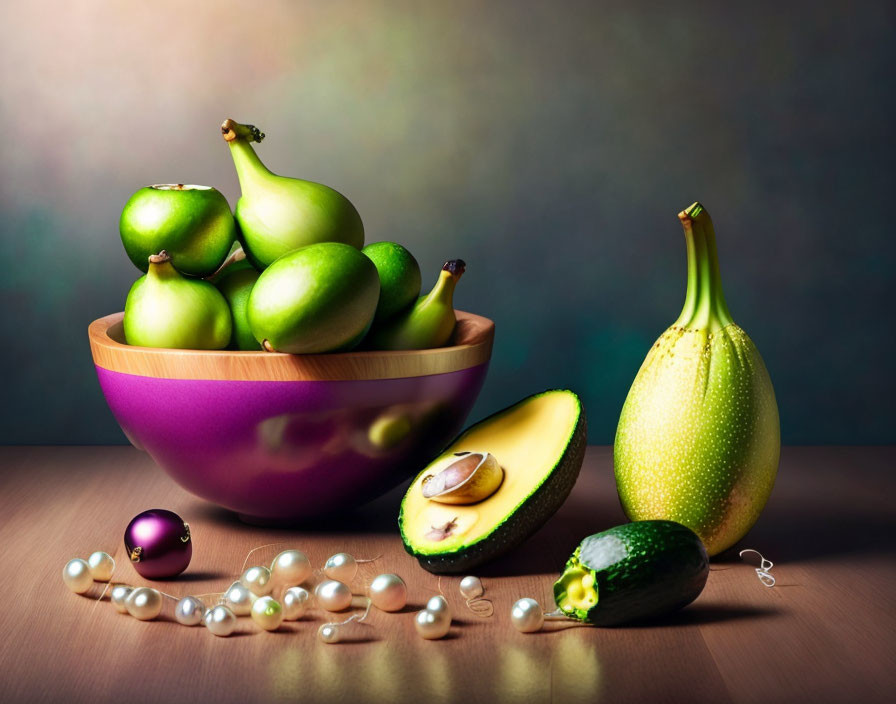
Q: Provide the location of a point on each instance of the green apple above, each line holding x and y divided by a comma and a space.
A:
192, 223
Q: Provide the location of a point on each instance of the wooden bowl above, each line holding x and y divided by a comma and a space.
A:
280, 436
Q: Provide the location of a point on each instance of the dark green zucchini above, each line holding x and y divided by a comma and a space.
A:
632, 572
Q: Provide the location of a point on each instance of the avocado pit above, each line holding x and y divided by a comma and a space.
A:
471, 479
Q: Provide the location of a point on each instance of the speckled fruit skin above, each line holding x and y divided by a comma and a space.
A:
236, 285
698, 440
192, 223
320, 298
400, 278
640, 570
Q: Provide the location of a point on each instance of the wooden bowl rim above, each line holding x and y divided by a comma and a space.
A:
471, 347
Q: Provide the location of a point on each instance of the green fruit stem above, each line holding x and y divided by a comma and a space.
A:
160, 266
704, 304
237, 256
239, 138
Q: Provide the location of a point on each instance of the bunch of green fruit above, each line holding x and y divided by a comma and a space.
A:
285, 273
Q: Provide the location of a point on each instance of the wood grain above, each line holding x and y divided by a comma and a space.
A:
825, 633
471, 346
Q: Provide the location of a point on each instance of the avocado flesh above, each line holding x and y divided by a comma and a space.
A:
540, 444
632, 572
577, 595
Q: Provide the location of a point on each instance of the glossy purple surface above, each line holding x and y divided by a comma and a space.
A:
291, 449
164, 542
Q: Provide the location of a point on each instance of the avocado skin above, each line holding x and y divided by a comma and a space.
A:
663, 569
399, 274
319, 298
528, 517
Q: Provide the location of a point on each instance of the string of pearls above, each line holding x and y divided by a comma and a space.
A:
252, 595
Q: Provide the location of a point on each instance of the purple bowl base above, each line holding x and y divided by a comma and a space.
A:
287, 451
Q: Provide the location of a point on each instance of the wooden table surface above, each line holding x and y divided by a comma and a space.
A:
824, 633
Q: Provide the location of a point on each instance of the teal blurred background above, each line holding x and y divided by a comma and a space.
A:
550, 145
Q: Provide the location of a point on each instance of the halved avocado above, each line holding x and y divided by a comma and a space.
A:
539, 443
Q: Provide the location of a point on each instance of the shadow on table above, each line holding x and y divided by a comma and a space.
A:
548, 549
379, 516
702, 614
803, 536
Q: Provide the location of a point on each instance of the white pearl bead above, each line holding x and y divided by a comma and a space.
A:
388, 592
328, 633
527, 616
342, 567
471, 587
101, 566
258, 580
333, 596
144, 603
290, 567
221, 621
439, 605
432, 625
189, 611
118, 596
239, 599
267, 613
76, 575
295, 601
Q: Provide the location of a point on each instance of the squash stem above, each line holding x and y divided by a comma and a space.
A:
704, 305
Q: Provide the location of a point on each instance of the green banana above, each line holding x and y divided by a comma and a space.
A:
276, 214
428, 323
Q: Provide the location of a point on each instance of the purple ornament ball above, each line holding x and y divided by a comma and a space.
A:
158, 543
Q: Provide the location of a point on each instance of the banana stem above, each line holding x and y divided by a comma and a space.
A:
231, 130
455, 267
443, 291
704, 305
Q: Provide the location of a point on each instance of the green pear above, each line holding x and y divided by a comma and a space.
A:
277, 214
166, 309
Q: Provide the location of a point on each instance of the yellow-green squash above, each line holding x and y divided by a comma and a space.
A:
698, 439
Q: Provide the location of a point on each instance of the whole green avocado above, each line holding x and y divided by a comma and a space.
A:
699, 437
320, 298
400, 278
